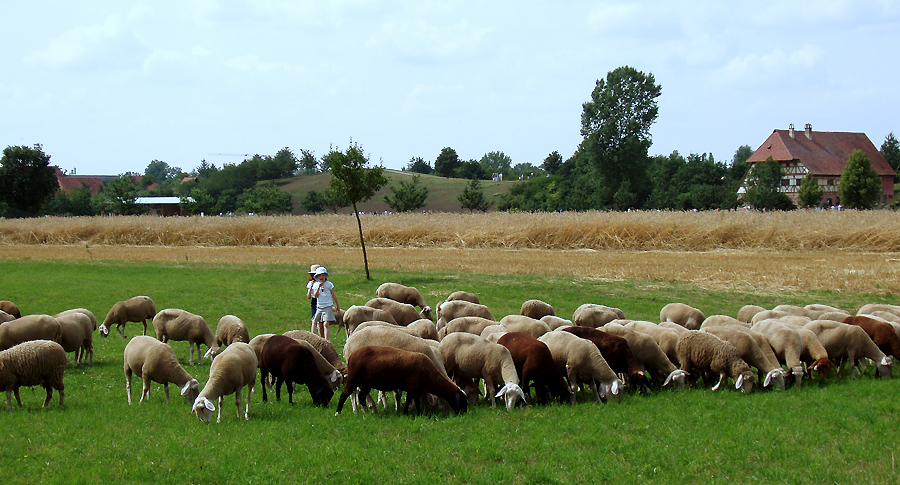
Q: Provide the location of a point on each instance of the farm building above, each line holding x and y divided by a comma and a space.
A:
823, 154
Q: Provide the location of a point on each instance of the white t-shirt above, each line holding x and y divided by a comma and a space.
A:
324, 300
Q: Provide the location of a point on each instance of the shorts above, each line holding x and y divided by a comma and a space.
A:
324, 315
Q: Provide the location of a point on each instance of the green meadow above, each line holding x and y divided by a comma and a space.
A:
840, 431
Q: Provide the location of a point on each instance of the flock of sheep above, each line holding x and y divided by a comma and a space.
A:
393, 346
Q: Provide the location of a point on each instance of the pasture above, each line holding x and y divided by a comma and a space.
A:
839, 430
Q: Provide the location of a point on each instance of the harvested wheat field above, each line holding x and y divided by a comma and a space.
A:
746, 251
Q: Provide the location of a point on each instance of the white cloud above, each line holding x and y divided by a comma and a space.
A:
776, 67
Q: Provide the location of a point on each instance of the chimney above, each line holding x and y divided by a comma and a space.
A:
809, 130
791, 130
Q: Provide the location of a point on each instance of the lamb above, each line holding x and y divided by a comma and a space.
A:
357, 314
404, 294
292, 362
522, 323
682, 314
33, 363
29, 327
231, 329
465, 296
787, 344
616, 351
469, 356
324, 346
88, 344
882, 333
154, 361
449, 310
746, 313
10, 308
705, 354
583, 362
403, 313
134, 309
389, 368
752, 354
75, 327
594, 316
536, 309
555, 322
535, 365
229, 373
848, 343
179, 325
649, 355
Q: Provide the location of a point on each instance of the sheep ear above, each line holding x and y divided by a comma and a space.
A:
335, 375
615, 386
186, 388
208, 352
209, 404
739, 381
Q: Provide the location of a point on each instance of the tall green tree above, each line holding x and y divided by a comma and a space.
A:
408, 197
552, 163
27, 180
809, 193
308, 162
890, 150
860, 186
447, 163
264, 199
197, 201
739, 167
762, 185
418, 165
472, 197
161, 171
496, 162
615, 125
355, 181
313, 202
121, 194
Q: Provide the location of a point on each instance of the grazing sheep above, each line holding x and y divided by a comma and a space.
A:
787, 344
522, 323
6, 317
179, 325
665, 337
724, 321
10, 308
29, 327
469, 356
746, 313
678, 328
847, 343
799, 311
814, 354
154, 361
492, 332
328, 371
75, 327
535, 365
33, 363
705, 354
449, 310
391, 337
465, 296
616, 351
536, 309
555, 322
88, 344
292, 362
649, 355
404, 294
876, 307
752, 354
682, 314
473, 325
324, 346
583, 362
595, 316
231, 329
357, 314
403, 313
134, 309
768, 315
389, 368
818, 307
882, 333
230, 371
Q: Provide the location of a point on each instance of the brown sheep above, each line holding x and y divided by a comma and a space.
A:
325, 347
291, 362
535, 364
357, 314
404, 294
536, 309
684, 315
33, 363
135, 309
449, 310
707, 355
881, 333
403, 313
10, 308
616, 351
594, 316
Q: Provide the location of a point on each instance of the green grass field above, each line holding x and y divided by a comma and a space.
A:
841, 430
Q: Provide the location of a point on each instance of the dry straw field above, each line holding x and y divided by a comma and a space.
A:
748, 251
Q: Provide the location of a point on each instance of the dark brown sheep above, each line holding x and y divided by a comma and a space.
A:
881, 333
534, 363
324, 346
616, 351
11, 308
388, 369
289, 361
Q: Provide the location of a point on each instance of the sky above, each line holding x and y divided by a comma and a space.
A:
106, 87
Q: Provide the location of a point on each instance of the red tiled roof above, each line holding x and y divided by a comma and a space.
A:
69, 182
823, 153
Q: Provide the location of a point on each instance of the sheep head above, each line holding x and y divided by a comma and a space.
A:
203, 408
744, 382
677, 376
511, 393
426, 312
213, 352
822, 366
104, 330
614, 390
191, 390
775, 378
885, 367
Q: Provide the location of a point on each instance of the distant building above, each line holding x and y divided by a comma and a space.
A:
67, 182
823, 154
162, 205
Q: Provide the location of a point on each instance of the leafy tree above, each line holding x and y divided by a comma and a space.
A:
121, 194
160, 171
739, 163
471, 170
552, 163
206, 169
472, 197
353, 180
308, 162
762, 185
27, 180
333, 201
78, 202
809, 193
284, 163
860, 186
313, 202
615, 125
447, 163
408, 197
198, 202
890, 150
537, 194
496, 162
264, 199
418, 165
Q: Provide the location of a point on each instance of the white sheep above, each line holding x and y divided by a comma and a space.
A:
6, 317
88, 344
745, 314
849, 343
787, 344
665, 337
752, 353
358, 314
403, 313
229, 373
468, 356
494, 332
526, 324
404, 294
154, 361
581, 361
231, 329
649, 355
135, 309
725, 321
29, 327
682, 314
818, 307
768, 315
555, 322
464, 295
451, 309
180, 325
473, 325
878, 307
708, 355
594, 315
536, 309
33, 363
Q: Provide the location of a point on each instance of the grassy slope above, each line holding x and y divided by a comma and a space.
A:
442, 192
837, 431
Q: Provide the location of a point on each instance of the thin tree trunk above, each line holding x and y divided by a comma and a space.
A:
362, 241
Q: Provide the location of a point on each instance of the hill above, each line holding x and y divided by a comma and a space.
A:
442, 192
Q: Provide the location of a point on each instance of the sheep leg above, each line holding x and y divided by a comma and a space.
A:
128, 384
16, 393
121, 328
263, 379
221, 405
278, 381
290, 390
145, 326
247, 406
721, 378
9, 399
49, 395
145, 390
166, 387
